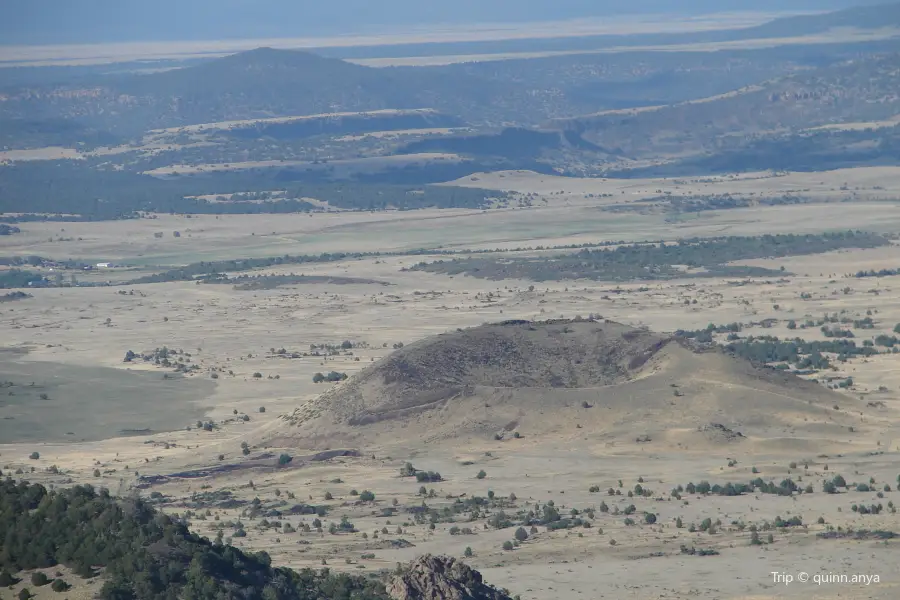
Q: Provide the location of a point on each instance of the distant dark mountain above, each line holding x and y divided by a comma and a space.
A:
81, 21
862, 17
265, 83
273, 69
65, 106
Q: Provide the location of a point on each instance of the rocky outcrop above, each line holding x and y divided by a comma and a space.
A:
441, 578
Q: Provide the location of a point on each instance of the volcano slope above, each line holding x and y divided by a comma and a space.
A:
549, 381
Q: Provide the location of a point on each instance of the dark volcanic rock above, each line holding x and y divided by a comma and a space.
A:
441, 578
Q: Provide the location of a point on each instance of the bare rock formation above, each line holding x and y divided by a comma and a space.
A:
441, 578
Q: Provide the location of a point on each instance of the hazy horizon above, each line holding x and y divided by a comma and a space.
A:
101, 21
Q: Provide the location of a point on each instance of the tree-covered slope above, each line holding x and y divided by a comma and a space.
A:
145, 554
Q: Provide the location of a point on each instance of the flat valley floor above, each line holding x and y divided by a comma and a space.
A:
138, 420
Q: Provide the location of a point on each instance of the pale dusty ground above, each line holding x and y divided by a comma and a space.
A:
868, 182
236, 331
859, 126
356, 165
246, 122
151, 144
81, 589
49, 153
399, 132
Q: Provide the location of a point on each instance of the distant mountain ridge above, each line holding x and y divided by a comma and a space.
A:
854, 91
587, 113
94, 21
862, 17
260, 83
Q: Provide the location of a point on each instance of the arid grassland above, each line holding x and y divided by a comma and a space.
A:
342, 410
514, 311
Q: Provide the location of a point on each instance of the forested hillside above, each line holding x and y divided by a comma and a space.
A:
856, 91
144, 554
264, 83
69, 188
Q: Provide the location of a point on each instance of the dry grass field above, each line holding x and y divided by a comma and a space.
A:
565, 211
655, 424
340, 167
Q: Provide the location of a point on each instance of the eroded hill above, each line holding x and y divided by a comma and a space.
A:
561, 379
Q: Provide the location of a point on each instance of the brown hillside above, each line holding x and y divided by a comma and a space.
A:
602, 379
